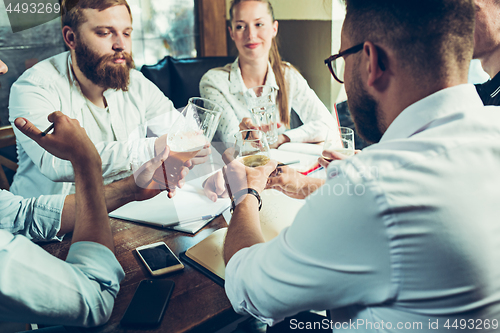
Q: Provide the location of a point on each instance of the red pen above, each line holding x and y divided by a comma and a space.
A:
316, 166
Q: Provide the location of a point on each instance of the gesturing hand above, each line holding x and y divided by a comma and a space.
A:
69, 141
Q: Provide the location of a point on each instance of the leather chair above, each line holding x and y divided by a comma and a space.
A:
8, 155
179, 79
345, 120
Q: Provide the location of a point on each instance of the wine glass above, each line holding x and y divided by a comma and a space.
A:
251, 148
261, 101
340, 141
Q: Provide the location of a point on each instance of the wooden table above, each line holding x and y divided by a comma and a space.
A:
197, 303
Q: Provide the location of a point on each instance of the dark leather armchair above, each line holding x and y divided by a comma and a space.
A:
346, 121
179, 79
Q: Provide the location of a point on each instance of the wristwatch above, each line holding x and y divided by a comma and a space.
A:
243, 192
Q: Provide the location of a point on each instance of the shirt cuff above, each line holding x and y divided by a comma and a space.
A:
141, 151
296, 135
235, 290
46, 220
98, 263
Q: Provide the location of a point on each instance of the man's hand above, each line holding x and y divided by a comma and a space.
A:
148, 180
164, 172
237, 176
332, 156
215, 187
69, 141
293, 183
201, 157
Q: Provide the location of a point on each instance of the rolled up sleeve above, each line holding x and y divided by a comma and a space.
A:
37, 287
39, 219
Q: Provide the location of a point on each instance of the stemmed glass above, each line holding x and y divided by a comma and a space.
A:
252, 148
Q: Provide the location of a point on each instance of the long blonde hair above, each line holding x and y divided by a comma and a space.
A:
276, 64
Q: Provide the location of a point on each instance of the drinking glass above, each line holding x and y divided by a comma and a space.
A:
251, 148
341, 141
261, 101
191, 132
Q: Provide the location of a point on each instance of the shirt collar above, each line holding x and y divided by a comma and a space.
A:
416, 117
490, 88
236, 80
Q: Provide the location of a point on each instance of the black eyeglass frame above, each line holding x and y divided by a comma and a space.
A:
344, 53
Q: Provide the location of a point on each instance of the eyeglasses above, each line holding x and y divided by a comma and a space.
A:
335, 62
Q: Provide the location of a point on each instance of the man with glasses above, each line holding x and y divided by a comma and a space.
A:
403, 236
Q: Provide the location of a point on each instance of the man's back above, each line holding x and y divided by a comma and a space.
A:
404, 232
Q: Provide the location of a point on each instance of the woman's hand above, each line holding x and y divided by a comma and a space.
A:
246, 124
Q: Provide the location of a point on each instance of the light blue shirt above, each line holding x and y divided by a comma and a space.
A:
36, 286
406, 233
39, 219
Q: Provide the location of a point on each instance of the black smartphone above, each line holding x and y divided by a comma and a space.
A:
148, 303
159, 259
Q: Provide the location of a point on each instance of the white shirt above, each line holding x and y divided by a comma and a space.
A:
37, 287
51, 86
406, 231
225, 86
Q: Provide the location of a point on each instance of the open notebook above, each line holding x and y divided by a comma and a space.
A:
278, 212
189, 210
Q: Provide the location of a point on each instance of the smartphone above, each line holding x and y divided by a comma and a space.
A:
148, 303
159, 259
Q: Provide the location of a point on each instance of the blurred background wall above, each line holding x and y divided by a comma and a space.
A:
161, 27
309, 32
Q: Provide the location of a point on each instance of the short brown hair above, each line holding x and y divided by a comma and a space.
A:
426, 35
71, 10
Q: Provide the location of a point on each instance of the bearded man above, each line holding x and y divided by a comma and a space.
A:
96, 83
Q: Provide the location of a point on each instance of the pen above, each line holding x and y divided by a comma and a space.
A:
193, 220
288, 163
313, 169
164, 174
44, 133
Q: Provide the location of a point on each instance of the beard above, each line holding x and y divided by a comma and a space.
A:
364, 110
98, 70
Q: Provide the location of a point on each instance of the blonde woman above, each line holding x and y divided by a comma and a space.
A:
253, 29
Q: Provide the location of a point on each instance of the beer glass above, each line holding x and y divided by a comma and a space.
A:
340, 140
191, 132
251, 148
